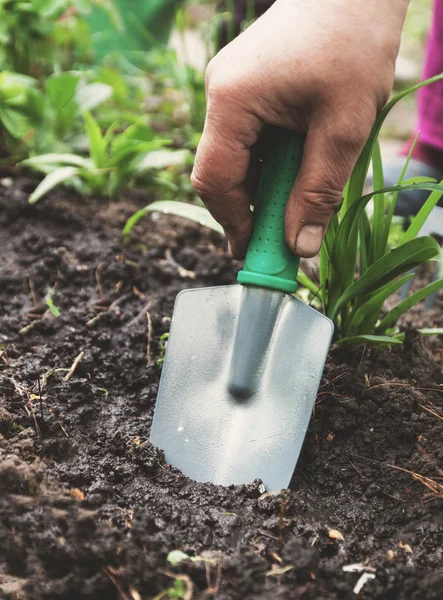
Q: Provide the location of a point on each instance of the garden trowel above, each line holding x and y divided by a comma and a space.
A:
243, 362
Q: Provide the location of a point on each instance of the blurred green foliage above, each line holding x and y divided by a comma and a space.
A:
93, 120
417, 21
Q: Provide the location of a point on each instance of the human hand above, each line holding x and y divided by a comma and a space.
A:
323, 68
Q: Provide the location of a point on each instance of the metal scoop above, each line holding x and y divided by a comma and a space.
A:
244, 362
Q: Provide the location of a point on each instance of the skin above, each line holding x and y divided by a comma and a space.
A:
319, 67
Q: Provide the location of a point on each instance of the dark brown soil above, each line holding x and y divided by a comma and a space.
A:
89, 510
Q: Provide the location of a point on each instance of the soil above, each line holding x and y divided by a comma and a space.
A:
90, 510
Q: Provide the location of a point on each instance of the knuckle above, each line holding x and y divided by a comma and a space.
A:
321, 201
349, 138
206, 186
201, 185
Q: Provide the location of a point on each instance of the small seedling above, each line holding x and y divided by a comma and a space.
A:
115, 159
163, 342
55, 312
175, 557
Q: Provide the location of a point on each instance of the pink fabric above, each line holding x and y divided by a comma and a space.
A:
430, 98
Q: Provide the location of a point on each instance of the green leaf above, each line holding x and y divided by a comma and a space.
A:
58, 176
49, 9
304, 280
393, 202
141, 133
91, 95
375, 303
55, 312
175, 557
177, 591
45, 160
161, 159
97, 146
392, 317
373, 340
355, 186
61, 90
425, 331
18, 124
418, 221
129, 150
376, 249
398, 261
179, 209
349, 225
358, 177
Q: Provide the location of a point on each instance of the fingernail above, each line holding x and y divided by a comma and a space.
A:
309, 240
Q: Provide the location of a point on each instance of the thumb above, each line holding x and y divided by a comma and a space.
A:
330, 154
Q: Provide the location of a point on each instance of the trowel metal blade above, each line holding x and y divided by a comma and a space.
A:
208, 430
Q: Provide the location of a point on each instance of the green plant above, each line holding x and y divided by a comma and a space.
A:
115, 159
21, 108
35, 119
358, 271
36, 35
54, 310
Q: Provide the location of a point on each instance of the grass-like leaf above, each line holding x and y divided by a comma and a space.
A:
180, 209
373, 340
46, 160
60, 175
398, 261
97, 143
425, 331
375, 303
392, 317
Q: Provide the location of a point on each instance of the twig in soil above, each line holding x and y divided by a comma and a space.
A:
74, 366
64, 430
137, 318
107, 309
364, 578
429, 459
396, 383
181, 270
213, 587
3, 352
149, 336
23, 391
435, 487
268, 535
140, 294
277, 571
27, 328
123, 594
40, 397
35, 301
98, 279
317, 401
432, 412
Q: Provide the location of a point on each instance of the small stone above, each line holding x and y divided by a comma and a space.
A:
406, 547
335, 534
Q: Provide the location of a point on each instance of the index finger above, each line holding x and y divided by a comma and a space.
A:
220, 169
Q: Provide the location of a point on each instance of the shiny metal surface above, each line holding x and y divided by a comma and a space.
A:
241, 373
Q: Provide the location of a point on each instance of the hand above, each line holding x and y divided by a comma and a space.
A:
320, 67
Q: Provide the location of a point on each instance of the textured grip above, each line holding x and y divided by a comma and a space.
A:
269, 262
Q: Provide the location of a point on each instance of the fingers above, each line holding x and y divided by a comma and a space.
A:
330, 154
221, 166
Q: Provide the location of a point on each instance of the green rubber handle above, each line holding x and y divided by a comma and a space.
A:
269, 262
